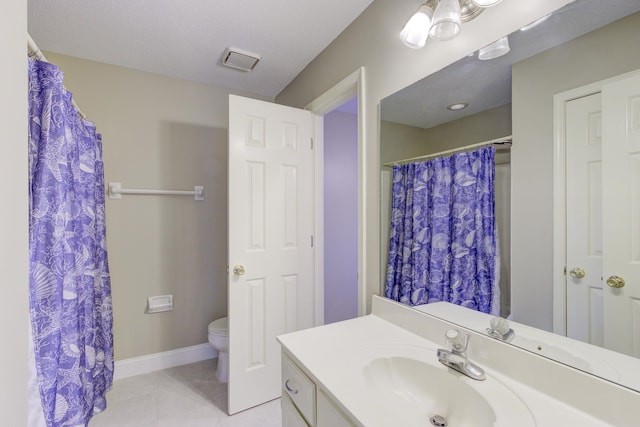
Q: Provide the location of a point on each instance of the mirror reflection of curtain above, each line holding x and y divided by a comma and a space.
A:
443, 236
70, 292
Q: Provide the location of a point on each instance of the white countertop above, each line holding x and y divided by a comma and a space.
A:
335, 356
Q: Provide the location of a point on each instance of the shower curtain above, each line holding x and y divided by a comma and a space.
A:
442, 244
70, 295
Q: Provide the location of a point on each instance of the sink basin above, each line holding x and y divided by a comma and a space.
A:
416, 390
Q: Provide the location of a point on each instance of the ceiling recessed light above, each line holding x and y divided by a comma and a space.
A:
457, 106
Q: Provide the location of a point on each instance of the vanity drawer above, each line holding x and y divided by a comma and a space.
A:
300, 389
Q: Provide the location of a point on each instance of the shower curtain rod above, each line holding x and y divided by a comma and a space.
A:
507, 140
33, 51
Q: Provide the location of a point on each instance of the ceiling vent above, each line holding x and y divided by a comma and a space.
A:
240, 59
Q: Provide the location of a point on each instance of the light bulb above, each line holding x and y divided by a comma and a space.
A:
416, 31
494, 50
446, 20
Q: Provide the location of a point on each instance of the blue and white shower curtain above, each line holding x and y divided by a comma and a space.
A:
443, 232
70, 291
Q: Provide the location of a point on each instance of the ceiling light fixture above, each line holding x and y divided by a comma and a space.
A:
457, 106
441, 20
494, 50
535, 23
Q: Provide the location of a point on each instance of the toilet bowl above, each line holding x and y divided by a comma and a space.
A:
219, 339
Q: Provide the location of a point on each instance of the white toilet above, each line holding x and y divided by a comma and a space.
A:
219, 339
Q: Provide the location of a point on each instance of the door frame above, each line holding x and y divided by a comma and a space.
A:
346, 89
559, 194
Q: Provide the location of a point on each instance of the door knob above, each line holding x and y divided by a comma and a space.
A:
577, 273
238, 270
615, 282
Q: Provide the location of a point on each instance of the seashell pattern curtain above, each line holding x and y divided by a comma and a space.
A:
443, 236
70, 292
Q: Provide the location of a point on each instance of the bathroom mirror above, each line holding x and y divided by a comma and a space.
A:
415, 121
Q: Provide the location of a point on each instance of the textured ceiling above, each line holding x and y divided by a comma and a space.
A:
487, 84
186, 39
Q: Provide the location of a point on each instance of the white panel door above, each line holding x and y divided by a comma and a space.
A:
271, 270
584, 219
621, 214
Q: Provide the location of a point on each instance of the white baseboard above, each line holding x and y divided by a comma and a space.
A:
166, 359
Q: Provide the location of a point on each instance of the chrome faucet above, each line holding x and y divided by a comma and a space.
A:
456, 358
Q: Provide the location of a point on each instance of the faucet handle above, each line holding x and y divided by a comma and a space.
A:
499, 324
499, 328
457, 340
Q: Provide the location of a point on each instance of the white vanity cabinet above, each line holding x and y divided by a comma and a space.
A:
290, 415
329, 415
304, 404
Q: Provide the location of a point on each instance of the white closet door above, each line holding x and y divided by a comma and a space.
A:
584, 219
621, 214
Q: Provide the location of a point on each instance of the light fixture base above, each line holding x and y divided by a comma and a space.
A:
469, 10
432, 3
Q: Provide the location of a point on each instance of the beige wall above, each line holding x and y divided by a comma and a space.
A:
372, 41
483, 126
604, 53
13, 215
160, 133
398, 141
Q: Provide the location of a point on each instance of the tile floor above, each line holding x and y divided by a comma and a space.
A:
184, 396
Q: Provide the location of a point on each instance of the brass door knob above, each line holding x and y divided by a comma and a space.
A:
238, 270
615, 282
577, 273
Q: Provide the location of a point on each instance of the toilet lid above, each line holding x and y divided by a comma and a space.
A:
219, 326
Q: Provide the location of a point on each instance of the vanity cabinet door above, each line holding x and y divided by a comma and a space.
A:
329, 415
290, 415
300, 389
